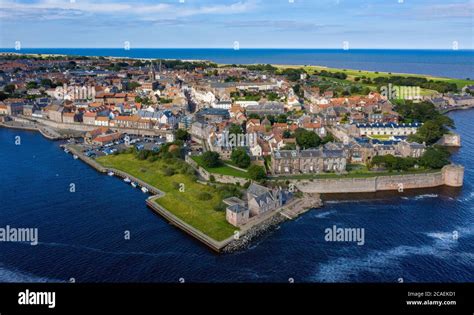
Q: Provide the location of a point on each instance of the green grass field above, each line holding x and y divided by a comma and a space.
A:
351, 74
185, 205
222, 169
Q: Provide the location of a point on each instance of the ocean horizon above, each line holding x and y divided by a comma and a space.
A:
434, 62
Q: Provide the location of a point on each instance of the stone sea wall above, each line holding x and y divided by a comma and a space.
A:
450, 175
225, 179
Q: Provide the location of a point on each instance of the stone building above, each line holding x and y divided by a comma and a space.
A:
385, 148
237, 214
386, 129
69, 117
89, 118
411, 149
262, 199
360, 152
3, 109
270, 108
308, 161
28, 110
14, 108
55, 113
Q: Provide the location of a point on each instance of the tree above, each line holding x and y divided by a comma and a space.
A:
256, 172
240, 157
282, 118
46, 83
289, 146
404, 164
328, 138
307, 139
272, 96
235, 129
210, 159
10, 88
420, 112
390, 162
31, 85
435, 157
377, 160
432, 130
182, 134
254, 116
133, 85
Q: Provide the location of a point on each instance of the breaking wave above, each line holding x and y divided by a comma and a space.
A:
12, 275
341, 269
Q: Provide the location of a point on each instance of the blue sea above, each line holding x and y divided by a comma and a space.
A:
445, 63
409, 236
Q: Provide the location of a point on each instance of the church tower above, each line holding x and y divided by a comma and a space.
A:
152, 73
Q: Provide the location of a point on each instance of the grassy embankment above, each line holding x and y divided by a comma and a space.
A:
185, 205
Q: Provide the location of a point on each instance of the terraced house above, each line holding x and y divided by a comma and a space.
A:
385, 129
308, 161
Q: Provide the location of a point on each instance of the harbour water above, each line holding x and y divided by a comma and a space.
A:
409, 237
445, 63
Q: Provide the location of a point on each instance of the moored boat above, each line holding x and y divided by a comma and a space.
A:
127, 180
110, 173
144, 189
134, 184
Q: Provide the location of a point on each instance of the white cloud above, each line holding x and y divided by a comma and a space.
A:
56, 9
235, 8
450, 10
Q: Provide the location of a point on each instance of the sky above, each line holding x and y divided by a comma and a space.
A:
410, 24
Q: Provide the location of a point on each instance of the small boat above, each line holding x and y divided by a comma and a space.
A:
127, 180
66, 150
75, 157
110, 173
144, 189
134, 185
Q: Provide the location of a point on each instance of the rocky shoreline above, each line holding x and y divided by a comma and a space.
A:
254, 233
289, 211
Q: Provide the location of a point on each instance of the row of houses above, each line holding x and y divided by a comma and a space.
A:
334, 157
308, 161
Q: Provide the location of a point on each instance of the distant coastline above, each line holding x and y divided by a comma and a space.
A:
438, 63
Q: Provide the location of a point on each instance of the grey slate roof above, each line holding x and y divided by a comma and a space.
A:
237, 208
257, 190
